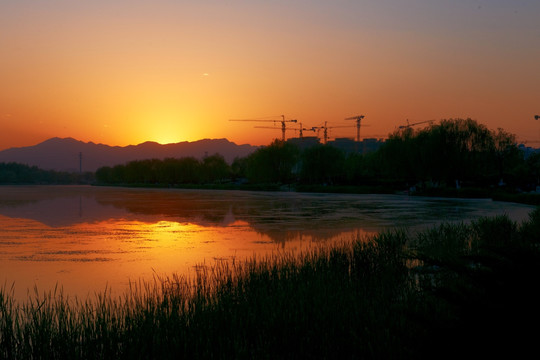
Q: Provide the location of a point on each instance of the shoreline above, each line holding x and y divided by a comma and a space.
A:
514, 196
526, 198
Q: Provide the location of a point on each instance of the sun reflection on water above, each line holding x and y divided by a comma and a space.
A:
86, 258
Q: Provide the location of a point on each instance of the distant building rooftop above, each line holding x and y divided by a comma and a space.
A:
304, 142
348, 145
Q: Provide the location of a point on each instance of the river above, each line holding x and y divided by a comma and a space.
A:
86, 239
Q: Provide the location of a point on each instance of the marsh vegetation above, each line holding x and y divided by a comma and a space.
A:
455, 289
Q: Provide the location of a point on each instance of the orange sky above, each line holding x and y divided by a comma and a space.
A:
123, 72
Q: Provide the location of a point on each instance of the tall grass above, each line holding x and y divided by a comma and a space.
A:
395, 295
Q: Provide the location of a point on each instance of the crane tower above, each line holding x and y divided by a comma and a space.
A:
358, 119
282, 121
325, 130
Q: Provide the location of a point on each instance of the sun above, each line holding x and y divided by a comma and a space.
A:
168, 125
165, 130
168, 137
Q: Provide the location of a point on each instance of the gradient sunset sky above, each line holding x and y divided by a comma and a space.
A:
123, 72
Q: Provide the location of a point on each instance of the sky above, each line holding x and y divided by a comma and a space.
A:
122, 72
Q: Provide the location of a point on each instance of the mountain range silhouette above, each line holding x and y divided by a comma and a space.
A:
65, 154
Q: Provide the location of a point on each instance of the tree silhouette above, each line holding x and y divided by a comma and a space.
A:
323, 164
273, 163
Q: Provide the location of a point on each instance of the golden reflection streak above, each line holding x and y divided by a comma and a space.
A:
86, 258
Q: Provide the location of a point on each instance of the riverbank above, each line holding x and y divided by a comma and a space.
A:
527, 198
448, 291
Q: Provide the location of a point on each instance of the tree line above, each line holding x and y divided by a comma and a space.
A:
15, 173
451, 153
172, 171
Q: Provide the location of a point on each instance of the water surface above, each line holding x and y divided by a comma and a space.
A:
88, 238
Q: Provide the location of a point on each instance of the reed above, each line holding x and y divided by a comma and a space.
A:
394, 295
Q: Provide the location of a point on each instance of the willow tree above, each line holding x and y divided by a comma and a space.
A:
322, 164
273, 163
452, 151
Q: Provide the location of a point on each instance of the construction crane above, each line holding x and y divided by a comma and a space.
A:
325, 128
358, 119
301, 129
414, 124
282, 121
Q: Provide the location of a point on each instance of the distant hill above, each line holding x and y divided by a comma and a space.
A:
63, 154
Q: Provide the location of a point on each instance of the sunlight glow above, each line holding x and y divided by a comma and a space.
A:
176, 71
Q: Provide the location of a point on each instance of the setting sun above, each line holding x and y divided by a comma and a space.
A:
165, 131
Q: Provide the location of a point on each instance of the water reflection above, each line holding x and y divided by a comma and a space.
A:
281, 216
86, 237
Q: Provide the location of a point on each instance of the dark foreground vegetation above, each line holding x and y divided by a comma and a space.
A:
455, 291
